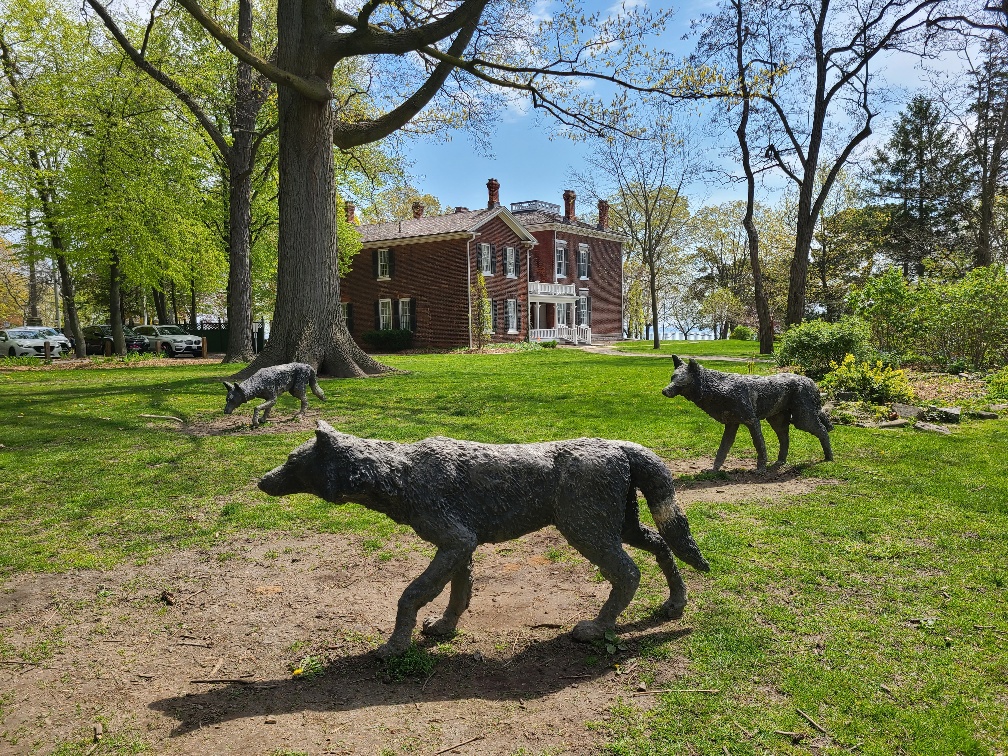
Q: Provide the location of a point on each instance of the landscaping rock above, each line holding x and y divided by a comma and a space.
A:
932, 428
907, 410
901, 423
981, 415
844, 396
949, 414
993, 408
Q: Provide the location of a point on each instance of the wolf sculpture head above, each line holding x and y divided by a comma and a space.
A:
235, 397
683, 379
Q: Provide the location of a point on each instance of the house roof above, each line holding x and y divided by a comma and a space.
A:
439, 227
541, 220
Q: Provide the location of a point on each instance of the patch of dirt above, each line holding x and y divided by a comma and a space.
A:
112, 363
946, 390
734, 483
125, 648
240, 424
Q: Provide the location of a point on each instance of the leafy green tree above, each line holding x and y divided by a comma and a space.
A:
721, 311
480, 317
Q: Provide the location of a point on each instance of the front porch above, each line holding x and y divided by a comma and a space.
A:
555, 313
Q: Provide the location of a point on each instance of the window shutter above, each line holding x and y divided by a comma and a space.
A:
588, 273
566, 259
577, 314
391, 263
412, 314
518, 315
493, 259
349, 317
374, 263
493, 315
589, 308
517, 261
377, 315
395, 313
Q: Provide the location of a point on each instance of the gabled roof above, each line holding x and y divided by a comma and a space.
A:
433, 227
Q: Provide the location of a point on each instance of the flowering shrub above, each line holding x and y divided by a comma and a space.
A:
997, 385
869, 381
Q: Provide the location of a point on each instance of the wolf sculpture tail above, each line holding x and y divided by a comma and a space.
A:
315, 388
649, 474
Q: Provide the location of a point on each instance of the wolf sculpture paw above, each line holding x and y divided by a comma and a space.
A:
672, 609
439, 626
587, 631
391, 648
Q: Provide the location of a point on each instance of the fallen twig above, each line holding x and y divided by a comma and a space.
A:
165, 417
574, 677
812, 722
749, 735
424, 686
548, 625
191, 596
458, 745
674, 690
222, 681
14, 661
200, 644
795, 736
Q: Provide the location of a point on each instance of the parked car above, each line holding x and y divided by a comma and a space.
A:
95, 337
25, 342
174, 340
55, 337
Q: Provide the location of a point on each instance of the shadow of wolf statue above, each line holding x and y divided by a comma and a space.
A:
268, 384
782, 400
459, 494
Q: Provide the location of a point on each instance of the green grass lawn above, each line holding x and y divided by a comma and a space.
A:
712, 348
878, 606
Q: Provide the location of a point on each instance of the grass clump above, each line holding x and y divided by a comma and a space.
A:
416, 662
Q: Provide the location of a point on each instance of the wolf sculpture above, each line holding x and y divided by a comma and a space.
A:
459, 494
782, 400
268, 384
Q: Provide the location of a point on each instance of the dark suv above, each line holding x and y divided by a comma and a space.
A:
95, 337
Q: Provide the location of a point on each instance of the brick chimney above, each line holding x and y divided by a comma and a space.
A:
493, 190
418, 209
603, 215
351, 211
461, 209
569, 196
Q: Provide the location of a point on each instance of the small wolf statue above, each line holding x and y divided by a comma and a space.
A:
268, 384
459, 494
782, 400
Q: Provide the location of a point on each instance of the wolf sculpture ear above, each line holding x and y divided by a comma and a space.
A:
324, 434
694, 366
676, 361
228, 386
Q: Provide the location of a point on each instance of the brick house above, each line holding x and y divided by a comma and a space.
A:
547, 276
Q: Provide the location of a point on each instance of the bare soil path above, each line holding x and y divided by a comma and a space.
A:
127, 649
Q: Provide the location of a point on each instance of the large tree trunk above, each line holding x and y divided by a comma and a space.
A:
160, 308
240, 162
71, 321
653, 286
798, 279
308, 324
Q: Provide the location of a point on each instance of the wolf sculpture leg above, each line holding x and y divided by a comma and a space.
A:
619, 569
298, 392
448, 560
756, 431
642, 537
781, 426
265, 408
727, 440
813, 425
458, 602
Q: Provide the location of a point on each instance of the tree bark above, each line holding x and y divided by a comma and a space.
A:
115, 307
308, 324
159, 306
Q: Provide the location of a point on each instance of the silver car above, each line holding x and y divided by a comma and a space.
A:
174, 341
25, 342
55, 337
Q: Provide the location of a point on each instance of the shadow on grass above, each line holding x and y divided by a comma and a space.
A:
361, 680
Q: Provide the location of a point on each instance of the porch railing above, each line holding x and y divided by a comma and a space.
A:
545, 289
571, 334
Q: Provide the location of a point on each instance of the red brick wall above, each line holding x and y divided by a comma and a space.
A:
433, 273
436, 275
499, 286
604, 285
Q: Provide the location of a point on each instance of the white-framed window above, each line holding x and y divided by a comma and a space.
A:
383, 265
404, 315
582, 311
561, 314
561, 260
582, 261
512, 315
385, 314
486, 259
510, 264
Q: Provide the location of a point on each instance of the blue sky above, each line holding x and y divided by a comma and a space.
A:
531, 165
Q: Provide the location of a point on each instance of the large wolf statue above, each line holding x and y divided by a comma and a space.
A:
459, 494
782, 400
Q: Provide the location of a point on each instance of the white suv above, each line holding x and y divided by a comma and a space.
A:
174, 341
